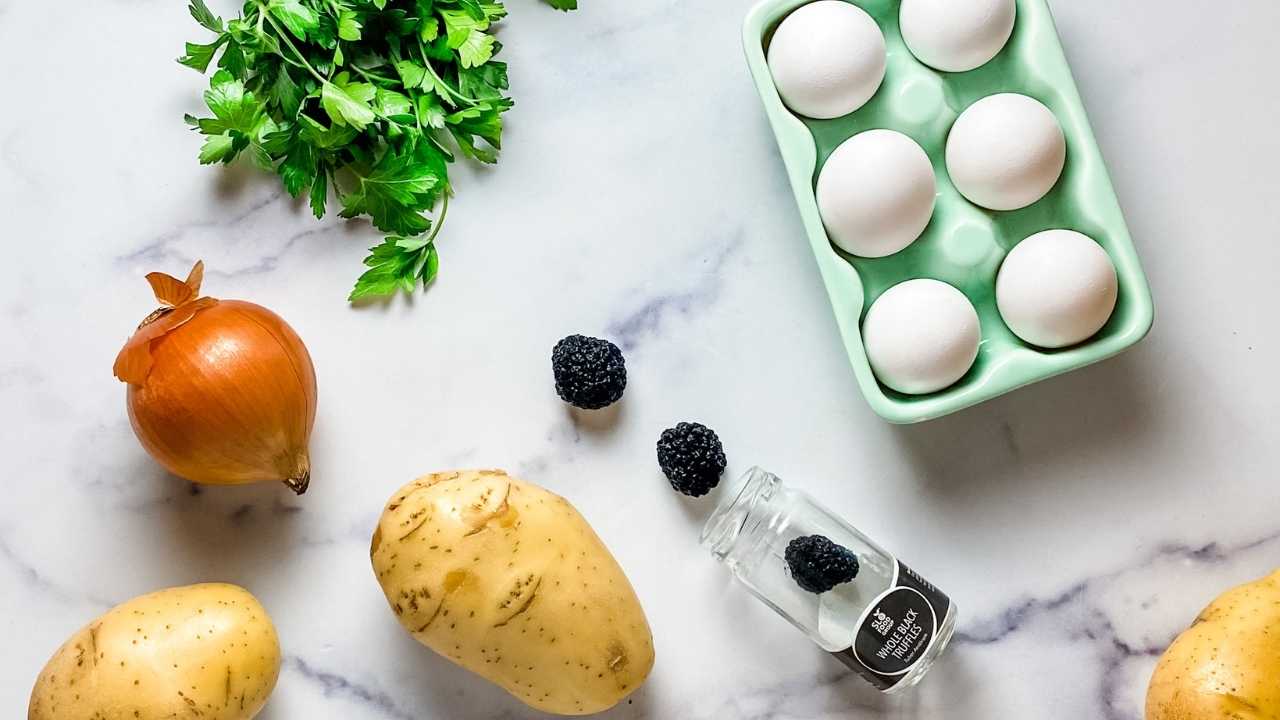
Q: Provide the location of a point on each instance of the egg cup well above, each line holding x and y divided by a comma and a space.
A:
963, 244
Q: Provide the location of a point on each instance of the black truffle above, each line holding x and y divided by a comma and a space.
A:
818, 565
590, 373
692, 458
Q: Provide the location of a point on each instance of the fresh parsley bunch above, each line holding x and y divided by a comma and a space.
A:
369, 100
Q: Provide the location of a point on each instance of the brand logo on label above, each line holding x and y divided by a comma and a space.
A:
881, 623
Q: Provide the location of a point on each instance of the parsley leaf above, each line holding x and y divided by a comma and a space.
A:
319, 195
298, 170
396, 191
199, 56
460, 24
476, 49
296, 16
429, 29
486, 82
326, 138
482, 121
205, 16
217, 148
233, 107
412, 74
233, 60
430, 112
349, 25
397, 264
348, 102
286, 93
391, 104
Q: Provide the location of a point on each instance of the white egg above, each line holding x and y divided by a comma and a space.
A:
876, 193
1006, 151
921, 336
1056, 288
956, 35
827, 59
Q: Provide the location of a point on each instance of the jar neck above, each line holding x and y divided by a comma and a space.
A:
737, 525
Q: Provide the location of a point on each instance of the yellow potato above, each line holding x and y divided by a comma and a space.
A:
202, 651
509, 581
1226, 666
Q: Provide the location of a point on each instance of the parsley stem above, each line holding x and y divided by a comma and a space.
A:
371, 75
293, 62
284, 35
444, 211
426, 60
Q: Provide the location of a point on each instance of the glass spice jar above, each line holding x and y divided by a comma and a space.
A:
887, 624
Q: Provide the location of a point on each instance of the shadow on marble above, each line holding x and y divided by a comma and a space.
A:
407, 681
243, 534
997, 446
240, 179
604, 421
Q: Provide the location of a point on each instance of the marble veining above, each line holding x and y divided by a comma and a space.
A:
334, 685
630, 329
1079, 524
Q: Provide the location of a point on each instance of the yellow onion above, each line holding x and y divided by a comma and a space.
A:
220, 391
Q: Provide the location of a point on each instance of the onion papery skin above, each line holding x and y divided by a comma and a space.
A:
230, 398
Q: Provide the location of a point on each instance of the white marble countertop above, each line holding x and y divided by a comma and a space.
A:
1078, 523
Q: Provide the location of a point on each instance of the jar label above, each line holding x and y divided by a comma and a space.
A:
896, 630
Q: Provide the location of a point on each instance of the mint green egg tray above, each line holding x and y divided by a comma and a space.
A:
964, 244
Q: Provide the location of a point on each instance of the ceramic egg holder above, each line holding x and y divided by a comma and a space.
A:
963, 244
